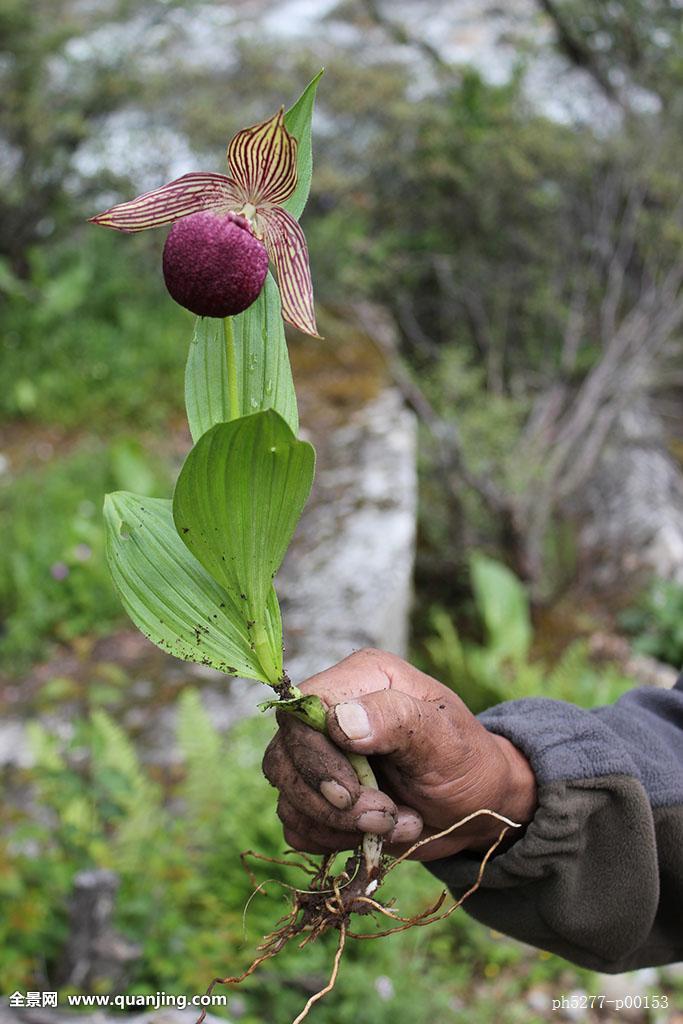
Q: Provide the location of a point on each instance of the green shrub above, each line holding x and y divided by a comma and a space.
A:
186, 899
74, 354
501, 668
54, 581
656, 622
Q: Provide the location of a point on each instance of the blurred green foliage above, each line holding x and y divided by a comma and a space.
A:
67, 69
184, 893
502, 667
54, 580
655, 621
89, 337
625, 46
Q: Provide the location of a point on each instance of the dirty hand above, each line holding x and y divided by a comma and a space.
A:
435, 763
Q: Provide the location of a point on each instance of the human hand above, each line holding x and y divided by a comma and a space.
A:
434, 761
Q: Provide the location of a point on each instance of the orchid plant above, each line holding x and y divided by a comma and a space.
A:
195, 573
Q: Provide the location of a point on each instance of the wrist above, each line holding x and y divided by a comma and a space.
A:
513, 794
520, 796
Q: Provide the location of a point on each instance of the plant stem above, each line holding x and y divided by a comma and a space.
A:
372, 844
362, 768
233, 390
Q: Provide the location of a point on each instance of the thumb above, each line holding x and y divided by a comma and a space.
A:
389, 722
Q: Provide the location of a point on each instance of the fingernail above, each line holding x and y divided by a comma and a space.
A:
336, 794
352, 720
407, 828
375, 821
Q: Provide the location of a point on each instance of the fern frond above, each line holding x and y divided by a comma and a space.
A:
206, 785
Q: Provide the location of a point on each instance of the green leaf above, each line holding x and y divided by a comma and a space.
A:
308, 708
503, 604
264, 376
170, 597
207, 401
237, 501
298, 123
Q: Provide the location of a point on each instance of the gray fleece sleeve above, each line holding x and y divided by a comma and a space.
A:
597, 876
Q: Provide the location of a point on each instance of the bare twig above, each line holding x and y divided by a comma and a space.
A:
575, 49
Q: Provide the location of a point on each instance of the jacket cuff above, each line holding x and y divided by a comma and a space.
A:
565, 885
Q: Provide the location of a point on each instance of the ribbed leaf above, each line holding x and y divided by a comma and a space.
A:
236, 504
503, 604
171, 598
298, 122
263, 371
207, 400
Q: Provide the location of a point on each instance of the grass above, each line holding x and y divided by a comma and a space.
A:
54, 581
175, 844
84, 370
183, 891
90, 340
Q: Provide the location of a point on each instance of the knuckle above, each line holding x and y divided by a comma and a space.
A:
271, 765
293, 839
286, 813
365, 653
332, 818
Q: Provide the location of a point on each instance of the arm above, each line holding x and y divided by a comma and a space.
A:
597, 875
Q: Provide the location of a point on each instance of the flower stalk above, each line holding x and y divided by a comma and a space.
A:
231, 361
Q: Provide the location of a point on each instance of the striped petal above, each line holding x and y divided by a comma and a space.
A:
189, 194
287, 249
262, 159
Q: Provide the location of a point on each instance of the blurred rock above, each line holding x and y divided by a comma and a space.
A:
539, 1000
641, 667
634, 985
632, 510
577, 1012
95, 957
346, 582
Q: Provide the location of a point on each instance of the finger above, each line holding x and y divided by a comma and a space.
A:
317, 760
313, 832
414, 734
372, 812
408, 828
281, 771
303, 834
430, 851
304, 843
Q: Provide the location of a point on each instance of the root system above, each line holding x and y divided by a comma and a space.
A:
331, 901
